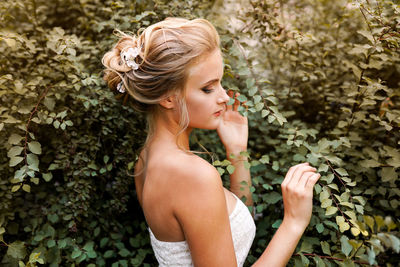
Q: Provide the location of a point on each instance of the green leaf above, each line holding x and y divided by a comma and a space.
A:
124, 252
326, 248
16, 250
264, 113
14, 139
26, 188
341, 172
15, 188
33, 161
230, 169
92, 254
51, 243
369, 221
331, 210
276, 224
15, 161
62, 243
320, 227
395, 242
14, 151
76, 253
345, 245
52, 217
103, 241
47, 176
272, 198
35, 147
389, 174
108, 254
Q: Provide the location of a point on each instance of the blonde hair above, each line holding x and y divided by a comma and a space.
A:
166, 50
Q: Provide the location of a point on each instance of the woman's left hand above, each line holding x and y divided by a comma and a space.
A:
233, 129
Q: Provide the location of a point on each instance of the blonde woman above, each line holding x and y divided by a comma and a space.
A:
173, 71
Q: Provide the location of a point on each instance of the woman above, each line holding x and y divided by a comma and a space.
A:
173, 71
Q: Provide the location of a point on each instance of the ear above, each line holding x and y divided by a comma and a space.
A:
169, 102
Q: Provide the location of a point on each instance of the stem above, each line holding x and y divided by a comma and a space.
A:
333, 258
335, 174
337, 205
29, 121
254, 77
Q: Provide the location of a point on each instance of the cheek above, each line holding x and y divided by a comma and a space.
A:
199, 106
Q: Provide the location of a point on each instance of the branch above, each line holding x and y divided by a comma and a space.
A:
337, 205
29, 121
333, 258
254, 77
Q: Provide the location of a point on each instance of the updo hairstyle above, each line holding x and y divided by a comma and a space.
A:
166, 50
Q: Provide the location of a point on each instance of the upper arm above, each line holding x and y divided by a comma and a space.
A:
204, 218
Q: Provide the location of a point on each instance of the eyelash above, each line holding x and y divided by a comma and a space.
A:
207, 90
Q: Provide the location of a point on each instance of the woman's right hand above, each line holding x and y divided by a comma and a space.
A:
297, 193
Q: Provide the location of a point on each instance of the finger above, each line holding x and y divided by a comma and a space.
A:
230, 94
299, 172
312, 180
237, 102
245, 106
290, 172
304, 178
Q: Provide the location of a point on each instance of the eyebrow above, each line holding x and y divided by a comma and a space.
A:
210, 82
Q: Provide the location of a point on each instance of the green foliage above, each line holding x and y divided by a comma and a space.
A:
321, 82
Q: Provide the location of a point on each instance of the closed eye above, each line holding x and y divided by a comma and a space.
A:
207, 90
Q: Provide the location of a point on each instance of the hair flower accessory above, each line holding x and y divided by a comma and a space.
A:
121, 87
129, 56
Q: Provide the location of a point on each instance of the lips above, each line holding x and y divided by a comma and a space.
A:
219, 112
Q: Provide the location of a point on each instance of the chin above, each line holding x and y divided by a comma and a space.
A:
207, 126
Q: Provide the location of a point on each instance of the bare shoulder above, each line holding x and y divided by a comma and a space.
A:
203, 214
189, 169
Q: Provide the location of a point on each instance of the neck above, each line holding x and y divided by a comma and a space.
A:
165, 133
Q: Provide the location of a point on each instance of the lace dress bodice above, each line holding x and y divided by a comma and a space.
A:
178, 254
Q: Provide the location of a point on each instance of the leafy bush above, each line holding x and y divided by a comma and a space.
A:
321, 80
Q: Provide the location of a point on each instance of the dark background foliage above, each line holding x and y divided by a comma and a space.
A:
321, 80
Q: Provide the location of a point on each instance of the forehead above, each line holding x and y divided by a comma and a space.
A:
205, 68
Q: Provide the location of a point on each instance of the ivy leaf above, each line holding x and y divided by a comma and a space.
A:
33, 161
326, 248
108, 254
35, 147
16, 250
14, 139
331, 210
389, 174
341, 172
346, 247
26, 188
15, 161
320, 227
14, 151
395, 243
76, 253
47, 176
15, 188
264, 113
230, 169
124, 252
272, 198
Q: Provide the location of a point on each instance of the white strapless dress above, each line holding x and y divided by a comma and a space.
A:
178, 254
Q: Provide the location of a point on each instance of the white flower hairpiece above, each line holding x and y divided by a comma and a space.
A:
121, 87
129, 56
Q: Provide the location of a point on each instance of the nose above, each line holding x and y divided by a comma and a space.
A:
223, 97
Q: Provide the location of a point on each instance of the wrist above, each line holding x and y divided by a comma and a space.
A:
293, 227
235, 151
